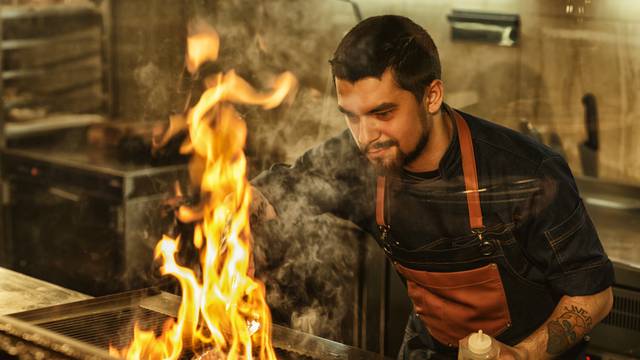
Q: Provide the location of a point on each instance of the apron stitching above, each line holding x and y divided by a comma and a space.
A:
455, 287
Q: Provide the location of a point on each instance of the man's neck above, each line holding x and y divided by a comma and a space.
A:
438, 143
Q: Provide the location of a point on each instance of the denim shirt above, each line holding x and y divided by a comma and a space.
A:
523, 184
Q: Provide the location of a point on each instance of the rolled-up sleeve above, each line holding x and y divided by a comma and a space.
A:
562, 239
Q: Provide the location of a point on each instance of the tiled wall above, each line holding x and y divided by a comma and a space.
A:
563, 54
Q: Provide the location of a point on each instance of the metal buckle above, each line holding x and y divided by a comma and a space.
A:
487, 247
384, 238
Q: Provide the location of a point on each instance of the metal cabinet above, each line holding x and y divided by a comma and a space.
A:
84, 220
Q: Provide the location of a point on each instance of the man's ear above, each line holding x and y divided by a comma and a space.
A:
434, 96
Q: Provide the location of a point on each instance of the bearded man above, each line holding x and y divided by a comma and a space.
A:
484, 225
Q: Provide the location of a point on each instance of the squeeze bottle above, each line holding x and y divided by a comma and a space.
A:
478, 346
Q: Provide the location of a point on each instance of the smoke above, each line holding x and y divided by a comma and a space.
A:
156, 89
260, 39
309, 265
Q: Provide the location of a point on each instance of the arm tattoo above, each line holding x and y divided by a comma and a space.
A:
567, 329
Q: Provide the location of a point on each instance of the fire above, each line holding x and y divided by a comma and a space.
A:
222, 308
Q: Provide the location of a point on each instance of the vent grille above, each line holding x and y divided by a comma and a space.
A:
626, 310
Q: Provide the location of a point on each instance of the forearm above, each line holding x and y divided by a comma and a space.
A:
571, 320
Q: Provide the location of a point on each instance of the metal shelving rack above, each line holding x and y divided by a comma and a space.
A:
56, 67
58, 58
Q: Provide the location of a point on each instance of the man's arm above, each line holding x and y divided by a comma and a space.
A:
322, 180
563, 243
572, 319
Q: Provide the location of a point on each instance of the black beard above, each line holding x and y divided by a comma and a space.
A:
422, 143
403, 159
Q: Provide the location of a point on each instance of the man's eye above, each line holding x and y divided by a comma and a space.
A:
383, 114
351, 118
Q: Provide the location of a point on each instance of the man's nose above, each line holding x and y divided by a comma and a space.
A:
367, 131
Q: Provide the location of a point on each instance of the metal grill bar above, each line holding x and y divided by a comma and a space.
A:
109, 320
109, 328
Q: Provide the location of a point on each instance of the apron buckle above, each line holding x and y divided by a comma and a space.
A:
384, 238
487, 247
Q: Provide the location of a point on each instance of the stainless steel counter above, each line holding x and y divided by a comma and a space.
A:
615, 211
19, 292
95, 160
70, 202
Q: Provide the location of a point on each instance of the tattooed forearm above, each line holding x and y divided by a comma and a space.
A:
567, 329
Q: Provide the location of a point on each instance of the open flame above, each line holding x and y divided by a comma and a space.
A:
223, 308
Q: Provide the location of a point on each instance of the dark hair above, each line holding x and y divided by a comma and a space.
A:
388, 41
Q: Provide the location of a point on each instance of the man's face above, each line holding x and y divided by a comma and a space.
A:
388, 124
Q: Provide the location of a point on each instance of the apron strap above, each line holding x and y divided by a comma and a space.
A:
380, 187
468, 169
470, 172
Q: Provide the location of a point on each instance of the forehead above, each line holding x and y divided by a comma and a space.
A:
366, 93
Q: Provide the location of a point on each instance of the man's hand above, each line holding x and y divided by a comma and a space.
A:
260, 210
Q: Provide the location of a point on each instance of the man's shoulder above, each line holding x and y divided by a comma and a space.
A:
505, 145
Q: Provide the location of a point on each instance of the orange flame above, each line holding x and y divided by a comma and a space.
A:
224, 308
202, 45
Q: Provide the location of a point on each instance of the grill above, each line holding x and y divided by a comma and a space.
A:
85, 329
626, 310
619, 332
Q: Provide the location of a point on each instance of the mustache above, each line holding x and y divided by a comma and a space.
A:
379, 145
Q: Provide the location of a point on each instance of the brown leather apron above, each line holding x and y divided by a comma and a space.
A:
454, 304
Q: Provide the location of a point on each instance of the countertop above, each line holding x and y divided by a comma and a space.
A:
113, 148
615, 211
19, 292
91, 159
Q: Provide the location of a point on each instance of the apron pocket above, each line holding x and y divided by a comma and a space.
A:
454, 304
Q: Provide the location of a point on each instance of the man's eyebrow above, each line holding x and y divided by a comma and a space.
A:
344, 111
382, 108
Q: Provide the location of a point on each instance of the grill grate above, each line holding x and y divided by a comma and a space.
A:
94, 324
625, 312
116, 328
108, 328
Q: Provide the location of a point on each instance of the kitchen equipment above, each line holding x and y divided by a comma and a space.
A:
493, 28
55, 59
589, 148
83, 217
19, 292
94, 324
